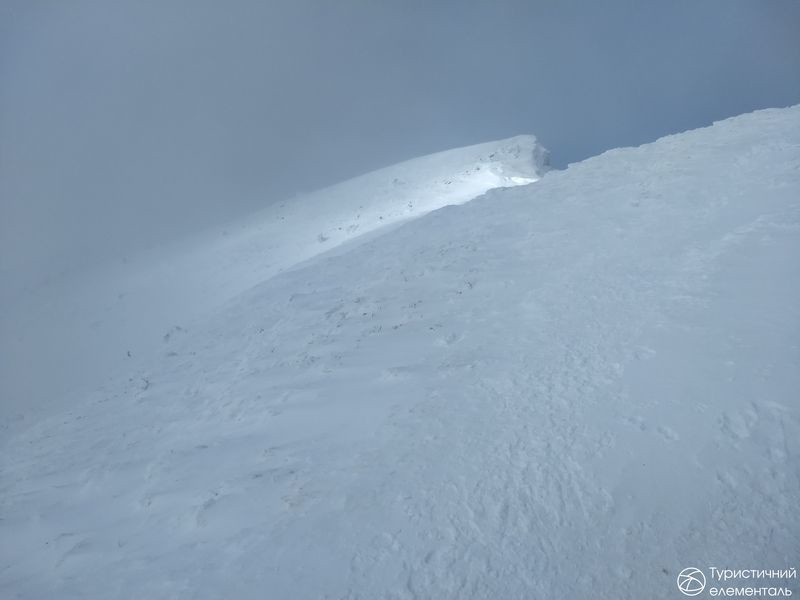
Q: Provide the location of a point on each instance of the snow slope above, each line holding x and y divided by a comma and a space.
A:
104, 321
573, 389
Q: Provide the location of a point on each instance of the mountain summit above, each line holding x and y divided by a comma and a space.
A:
505, 398
114, 316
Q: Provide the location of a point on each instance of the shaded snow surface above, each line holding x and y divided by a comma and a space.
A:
86, 325
572, 389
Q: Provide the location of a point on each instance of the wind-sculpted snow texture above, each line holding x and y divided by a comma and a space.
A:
113, 317
572, 389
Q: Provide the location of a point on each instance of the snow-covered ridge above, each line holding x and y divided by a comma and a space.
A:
574, 389
296, 230
114, 315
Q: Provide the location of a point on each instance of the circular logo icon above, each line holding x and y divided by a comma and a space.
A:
691, 581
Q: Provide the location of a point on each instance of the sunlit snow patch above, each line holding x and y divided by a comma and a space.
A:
121, 312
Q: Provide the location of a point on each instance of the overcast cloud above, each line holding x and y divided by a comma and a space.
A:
123, 124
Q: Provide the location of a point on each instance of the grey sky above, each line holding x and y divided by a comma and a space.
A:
122, 123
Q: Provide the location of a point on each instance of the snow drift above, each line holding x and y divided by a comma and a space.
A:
573, 389
105, 321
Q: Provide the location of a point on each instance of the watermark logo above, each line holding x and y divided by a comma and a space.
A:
691, 581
